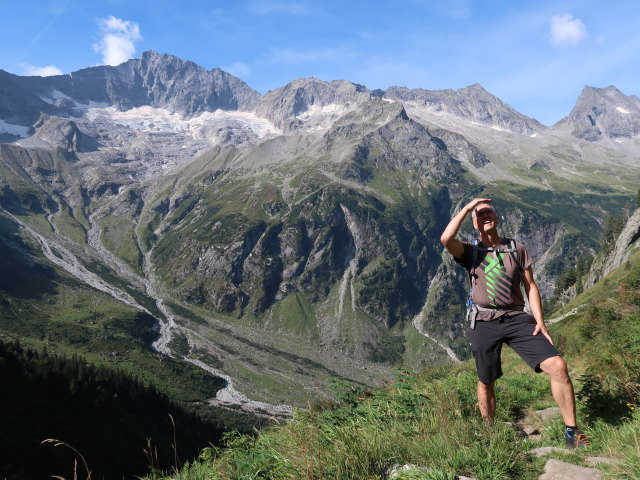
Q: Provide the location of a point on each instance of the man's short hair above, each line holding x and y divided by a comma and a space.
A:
483, 204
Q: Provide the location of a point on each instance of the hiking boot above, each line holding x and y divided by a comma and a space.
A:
577, 440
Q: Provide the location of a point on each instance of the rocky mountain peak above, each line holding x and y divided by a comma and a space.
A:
166, 81
364, 119
476, 88
157, 80
603, 113
374, 113
608, 93
473, 103
151, 56
379, 136
296, 104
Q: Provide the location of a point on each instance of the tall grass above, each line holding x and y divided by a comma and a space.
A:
428, 419
620, 443
59, 443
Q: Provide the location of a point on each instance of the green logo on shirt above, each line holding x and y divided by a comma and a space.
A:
498, 282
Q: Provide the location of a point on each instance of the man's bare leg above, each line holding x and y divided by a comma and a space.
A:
561, 387
487, 401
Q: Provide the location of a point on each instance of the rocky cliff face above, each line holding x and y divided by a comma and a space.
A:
56, 132
626, 243
20, 103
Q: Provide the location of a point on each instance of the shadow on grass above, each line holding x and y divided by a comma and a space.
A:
600, 403
22, 276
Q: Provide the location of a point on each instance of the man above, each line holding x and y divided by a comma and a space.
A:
496, 280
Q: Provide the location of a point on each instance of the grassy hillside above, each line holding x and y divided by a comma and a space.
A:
430, 419
604, 336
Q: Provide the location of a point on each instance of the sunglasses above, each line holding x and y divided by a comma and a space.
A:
484, 213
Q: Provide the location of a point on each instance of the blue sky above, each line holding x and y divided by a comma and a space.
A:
534, 55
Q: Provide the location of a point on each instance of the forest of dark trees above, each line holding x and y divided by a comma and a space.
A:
102, 412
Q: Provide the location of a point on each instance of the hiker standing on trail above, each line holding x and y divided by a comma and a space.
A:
497, 268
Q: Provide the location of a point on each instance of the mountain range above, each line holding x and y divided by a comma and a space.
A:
286, 240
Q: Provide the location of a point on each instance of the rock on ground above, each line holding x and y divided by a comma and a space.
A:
548, 413
542, 451
557, 470
599, 460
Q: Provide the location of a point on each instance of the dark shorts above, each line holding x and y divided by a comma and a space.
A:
487, 338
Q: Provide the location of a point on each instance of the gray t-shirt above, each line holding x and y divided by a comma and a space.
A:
497, 278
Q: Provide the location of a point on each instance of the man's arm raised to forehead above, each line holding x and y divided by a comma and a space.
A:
448, 237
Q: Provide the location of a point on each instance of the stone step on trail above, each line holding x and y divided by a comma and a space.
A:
548, 414
544, 451
396, 471
559, 470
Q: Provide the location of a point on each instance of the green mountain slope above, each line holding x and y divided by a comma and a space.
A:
317, 247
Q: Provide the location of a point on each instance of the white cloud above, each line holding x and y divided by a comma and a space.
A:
567, 31
117, 44
47, 71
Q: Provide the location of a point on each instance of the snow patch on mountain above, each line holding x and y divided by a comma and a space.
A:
12, 129
321, 117
56, 97
160, 120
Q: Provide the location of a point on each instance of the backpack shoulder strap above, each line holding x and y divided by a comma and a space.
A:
472, 274
513, 251
474, 254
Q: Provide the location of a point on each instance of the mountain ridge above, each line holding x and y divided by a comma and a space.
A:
148, 79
